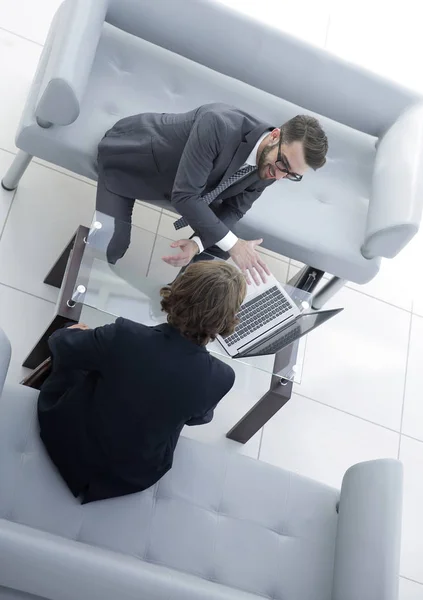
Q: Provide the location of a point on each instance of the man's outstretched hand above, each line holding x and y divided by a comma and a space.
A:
246, 258
188, 250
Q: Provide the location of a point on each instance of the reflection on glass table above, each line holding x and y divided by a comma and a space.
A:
131, 288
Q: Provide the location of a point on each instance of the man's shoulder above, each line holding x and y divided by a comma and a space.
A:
126, 325
221, 109
231, 117
224, 370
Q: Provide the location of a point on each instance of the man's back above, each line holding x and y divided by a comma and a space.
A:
159, 381
150, 148
113, 431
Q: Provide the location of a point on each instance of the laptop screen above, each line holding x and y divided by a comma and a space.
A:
281, 338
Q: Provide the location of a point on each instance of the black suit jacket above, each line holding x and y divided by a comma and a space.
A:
180, 157
112, 410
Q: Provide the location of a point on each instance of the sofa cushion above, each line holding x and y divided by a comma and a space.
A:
216, 515
324, 216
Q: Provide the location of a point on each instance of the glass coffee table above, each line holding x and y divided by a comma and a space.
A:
96, 292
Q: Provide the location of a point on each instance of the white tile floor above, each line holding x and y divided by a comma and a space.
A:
361, 387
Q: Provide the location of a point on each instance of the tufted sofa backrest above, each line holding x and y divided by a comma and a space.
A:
229, 42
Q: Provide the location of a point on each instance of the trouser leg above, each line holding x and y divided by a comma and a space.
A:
120, 208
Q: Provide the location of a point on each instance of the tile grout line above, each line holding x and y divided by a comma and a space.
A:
53, 168
412, 580
261, 441
327, 31
345, 412
9, 210
410, 437
156, 233
15, 289
405, 382
22, 37
408, 310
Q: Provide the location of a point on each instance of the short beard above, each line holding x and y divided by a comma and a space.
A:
262, 164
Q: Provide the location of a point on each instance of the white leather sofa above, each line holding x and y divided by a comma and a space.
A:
105, 59
218, 526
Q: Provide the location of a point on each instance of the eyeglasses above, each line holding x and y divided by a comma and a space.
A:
283, 165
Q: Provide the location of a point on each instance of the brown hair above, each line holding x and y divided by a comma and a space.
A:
307, 130
203, 301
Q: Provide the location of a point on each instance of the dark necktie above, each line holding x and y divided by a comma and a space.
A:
208, 198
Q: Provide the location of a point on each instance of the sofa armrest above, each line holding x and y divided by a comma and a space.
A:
368, 539
396, 200
70, 60
5, 354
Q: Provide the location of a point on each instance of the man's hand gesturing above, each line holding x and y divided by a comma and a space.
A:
245, 256
188, 250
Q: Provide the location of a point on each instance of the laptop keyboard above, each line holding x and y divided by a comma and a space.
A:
258, 312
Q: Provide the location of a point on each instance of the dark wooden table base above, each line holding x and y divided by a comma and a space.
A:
62, 275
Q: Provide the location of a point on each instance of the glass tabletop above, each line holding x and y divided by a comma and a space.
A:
130, 286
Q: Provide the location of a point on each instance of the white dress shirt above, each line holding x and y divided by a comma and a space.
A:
230, 239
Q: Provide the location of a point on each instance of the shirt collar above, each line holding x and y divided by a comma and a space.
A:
252, 158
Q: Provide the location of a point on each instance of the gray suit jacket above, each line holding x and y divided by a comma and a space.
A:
180, 157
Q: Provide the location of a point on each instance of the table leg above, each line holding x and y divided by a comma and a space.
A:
41, 350
55, 276
64, 313
280, 389
279, 393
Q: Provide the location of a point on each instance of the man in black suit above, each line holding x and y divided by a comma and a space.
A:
210, 164
113, 408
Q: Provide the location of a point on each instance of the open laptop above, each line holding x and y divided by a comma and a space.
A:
270, 321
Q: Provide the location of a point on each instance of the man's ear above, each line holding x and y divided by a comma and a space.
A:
274, 136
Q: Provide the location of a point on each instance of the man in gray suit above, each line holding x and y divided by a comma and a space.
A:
210, 164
